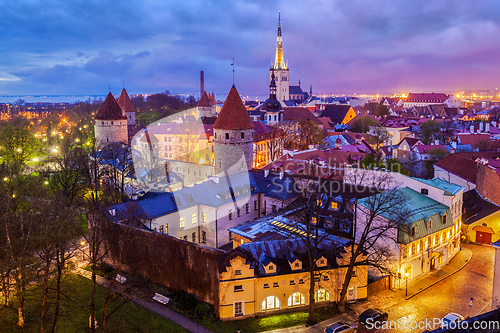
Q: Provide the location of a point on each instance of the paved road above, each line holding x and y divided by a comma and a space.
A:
449, 295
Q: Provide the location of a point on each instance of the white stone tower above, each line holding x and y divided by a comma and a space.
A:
110, 123
280, 69
233, 137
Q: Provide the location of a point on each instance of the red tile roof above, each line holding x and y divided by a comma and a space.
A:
300, 113
458, 165
426, 98
125, 102
233, 115
473, 139
204, 100
110, 110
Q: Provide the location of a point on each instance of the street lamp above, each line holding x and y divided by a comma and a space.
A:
406, 278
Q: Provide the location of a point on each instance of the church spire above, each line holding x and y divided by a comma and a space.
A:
279, 62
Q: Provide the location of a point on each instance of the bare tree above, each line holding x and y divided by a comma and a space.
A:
188, 138
378, 220
275, 143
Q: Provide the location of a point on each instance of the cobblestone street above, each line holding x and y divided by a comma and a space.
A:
449, 295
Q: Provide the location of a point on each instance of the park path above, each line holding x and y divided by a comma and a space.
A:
151, 305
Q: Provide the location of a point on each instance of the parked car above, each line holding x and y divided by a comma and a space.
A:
341, 327
374, 314
451, 319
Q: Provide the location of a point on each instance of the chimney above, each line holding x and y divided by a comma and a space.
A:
266, 172
494, 123
454, 144
202, 83
436, 142
480, 127
472, 129
338, 143
487, 127
282, 174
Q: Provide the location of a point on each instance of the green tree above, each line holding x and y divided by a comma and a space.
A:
430, 131
379, 136
362, 124
381, 110
17, 146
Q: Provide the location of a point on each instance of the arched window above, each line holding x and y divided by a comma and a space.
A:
296, 299
322, 295
270, 303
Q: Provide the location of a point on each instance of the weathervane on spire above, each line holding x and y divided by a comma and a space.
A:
233, 70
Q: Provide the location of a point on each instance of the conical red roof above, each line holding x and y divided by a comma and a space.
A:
204, 101
125, 102
233, 115
110, 110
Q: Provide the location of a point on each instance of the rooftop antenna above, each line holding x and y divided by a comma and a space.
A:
123, 84
109, 88
233, 70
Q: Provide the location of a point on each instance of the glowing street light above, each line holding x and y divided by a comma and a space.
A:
54, 150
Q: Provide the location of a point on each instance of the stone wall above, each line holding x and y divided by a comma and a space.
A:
191, 173
488, 182
174, 263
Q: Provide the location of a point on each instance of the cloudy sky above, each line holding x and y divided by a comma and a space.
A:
342, 46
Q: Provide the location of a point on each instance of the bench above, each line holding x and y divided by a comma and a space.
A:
120, 279
162, 299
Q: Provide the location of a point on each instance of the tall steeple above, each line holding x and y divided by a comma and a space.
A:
280, 70
279, 62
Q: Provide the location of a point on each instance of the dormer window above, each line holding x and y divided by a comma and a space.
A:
430, 225
413, 231
444, 218
271, 267
321, 262
424, 191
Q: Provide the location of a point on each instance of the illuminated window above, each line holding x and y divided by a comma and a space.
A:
166, 228
271, 303
314, 220
193, 218
160, 229
333, 205
296, 299
182, 222
203, 217
322, 295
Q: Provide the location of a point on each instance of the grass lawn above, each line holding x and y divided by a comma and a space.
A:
75, 312
272, 322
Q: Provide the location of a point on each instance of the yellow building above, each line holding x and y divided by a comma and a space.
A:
270, 276
481, 219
